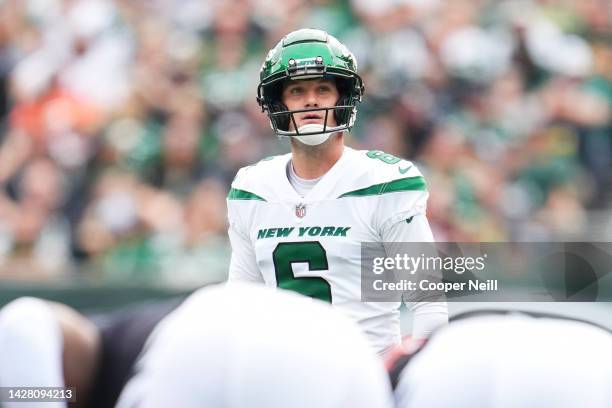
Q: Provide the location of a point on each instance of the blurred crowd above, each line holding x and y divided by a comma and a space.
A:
124, 121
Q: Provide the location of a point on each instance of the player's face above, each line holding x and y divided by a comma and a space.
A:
309, 94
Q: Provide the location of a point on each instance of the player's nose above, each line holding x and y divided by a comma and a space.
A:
311, 98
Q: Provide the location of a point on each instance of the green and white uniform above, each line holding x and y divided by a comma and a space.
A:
312, 244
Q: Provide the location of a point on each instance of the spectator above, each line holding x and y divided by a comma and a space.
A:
506, 104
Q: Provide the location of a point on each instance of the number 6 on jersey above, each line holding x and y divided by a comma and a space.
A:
287, 253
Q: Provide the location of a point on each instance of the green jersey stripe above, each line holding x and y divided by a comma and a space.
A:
236, 194
406, 184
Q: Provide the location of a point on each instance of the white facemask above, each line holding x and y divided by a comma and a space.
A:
313, 140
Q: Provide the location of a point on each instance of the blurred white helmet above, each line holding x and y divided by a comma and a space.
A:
511, 360
253, 346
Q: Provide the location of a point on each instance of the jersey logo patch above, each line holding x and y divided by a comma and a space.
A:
300, 210
403, 171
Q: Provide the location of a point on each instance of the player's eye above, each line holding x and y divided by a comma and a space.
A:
296, 90
324, 89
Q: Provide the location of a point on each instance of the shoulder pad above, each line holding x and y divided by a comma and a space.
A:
254, 182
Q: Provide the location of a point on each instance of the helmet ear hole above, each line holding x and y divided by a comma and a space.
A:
279, 121
273, 99
343, 115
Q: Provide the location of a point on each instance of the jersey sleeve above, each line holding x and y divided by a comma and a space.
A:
243, 264
400, 196
407, 227
426, 316
414, 229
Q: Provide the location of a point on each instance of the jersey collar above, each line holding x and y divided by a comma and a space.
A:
326, 186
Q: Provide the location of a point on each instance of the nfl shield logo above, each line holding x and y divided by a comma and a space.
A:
300, 210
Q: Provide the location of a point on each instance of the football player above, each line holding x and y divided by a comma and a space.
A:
49, 344
252, 346
297, 221
238, 346
510, 359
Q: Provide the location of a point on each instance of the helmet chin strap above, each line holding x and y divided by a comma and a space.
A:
314, 134
313, 140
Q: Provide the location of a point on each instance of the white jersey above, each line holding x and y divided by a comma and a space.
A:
312, 244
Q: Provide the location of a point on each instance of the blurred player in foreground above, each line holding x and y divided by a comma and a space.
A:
240, 346
49, 344
504, 359
250, 346
298, 221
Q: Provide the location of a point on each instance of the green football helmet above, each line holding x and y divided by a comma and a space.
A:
308, 54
